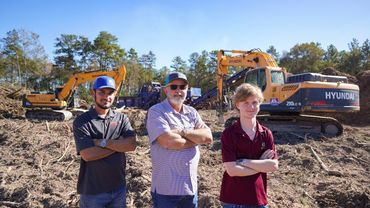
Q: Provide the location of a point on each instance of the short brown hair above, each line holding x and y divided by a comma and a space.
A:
245, 91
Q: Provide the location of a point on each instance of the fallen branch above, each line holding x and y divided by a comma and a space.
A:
146, 178
11, 204
361, 160
131, 204
47, 126
20, 127
143, 193
15, 94
69, 165
309, 196
68, 128
65, 151
40, 167
299, 136
322, 164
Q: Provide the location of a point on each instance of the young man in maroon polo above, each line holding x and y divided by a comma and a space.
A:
248, 154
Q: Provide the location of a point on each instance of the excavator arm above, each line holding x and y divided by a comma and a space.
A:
254, 58
80, 78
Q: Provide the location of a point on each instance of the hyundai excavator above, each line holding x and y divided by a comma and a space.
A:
56, 106
288, 98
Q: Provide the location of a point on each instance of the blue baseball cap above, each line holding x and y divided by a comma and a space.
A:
104, 82
173, 76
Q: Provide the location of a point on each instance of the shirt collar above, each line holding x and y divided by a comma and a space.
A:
238, 127
95, 114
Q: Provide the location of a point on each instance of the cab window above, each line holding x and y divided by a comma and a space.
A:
262, 79
277, 77
257, 77
251, 77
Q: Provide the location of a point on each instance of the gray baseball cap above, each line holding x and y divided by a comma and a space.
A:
173, 76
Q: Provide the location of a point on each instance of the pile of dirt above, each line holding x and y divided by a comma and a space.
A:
10, 100
364, 81
137, 118
332, 71
39, 167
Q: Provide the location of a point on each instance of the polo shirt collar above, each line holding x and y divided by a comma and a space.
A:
95, 114
184, 109
238, 127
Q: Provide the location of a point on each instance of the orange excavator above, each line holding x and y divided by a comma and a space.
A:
57, 105
288, 98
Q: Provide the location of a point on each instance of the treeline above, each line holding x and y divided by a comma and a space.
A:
23, 60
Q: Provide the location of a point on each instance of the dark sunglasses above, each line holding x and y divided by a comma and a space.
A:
174, 87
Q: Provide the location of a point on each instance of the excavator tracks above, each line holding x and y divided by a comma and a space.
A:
301, 124
50, 115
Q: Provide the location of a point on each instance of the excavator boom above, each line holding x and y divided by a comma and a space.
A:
54, 106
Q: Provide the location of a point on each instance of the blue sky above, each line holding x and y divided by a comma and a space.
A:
178, 28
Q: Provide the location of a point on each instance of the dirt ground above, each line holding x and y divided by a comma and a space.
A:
39, 165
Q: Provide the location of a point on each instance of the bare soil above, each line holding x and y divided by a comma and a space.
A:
39, 165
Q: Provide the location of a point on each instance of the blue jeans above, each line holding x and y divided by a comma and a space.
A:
174, 201
227, 205
112, 199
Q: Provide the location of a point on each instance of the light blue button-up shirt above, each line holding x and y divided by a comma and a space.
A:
174, 172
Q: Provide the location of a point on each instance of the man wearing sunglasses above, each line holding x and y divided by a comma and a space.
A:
175, 131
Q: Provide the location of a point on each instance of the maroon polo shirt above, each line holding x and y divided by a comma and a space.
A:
245, 190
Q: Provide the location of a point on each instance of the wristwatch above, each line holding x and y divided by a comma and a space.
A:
103, 143
183, 133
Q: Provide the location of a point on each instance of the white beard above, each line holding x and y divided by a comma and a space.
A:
177, 100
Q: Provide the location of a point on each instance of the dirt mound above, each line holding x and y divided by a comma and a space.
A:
332, 71
364, 78
363, 117
364, 82
137, 118
10, 100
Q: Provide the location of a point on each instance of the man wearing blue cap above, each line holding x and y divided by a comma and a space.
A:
102, 137
175, 131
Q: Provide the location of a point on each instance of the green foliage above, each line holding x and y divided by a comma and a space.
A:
365, 52
131, 85
331, 57
160, 76
106, 51
67, 50
199, 74
147, 61
84, 94
351, 61
178, 64
273, 52
306, 57
22, 56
